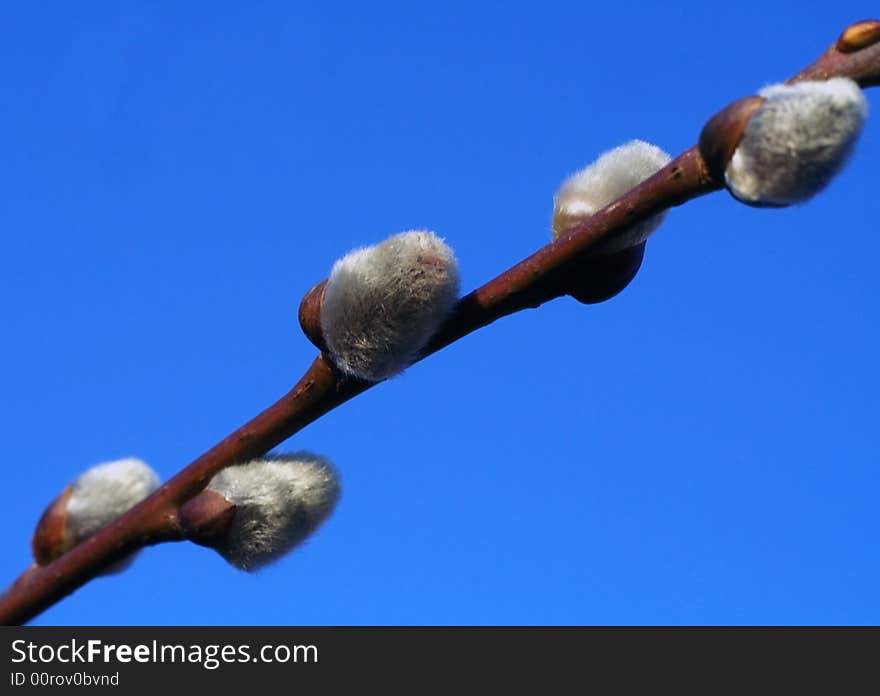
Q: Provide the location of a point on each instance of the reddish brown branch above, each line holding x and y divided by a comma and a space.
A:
855, 55
544, 275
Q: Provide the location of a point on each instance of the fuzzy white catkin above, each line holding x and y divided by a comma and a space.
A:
599, 184
279, 501
103, 493
383, 303
796, 141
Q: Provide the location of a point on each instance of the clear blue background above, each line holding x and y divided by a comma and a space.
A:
701, 449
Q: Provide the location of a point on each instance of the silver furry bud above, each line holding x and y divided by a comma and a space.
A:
797, 140
279, 501
383, 303
615, 173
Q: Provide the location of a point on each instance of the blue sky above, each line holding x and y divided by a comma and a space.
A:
700, 449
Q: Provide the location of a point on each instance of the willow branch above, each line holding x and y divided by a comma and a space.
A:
537, 279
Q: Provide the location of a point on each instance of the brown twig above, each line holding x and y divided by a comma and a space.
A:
543, 276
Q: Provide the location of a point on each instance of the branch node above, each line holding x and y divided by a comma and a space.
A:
310, 314
722, 133
50, 538
599, 278
206, 518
